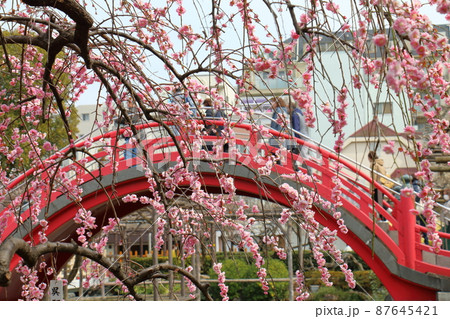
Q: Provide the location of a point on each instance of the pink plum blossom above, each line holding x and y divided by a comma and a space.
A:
389, 147
380, 40
407, 192
331, 6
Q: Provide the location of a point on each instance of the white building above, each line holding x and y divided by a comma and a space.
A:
88, 115
334, 67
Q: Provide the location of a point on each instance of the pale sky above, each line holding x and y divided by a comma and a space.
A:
203, 7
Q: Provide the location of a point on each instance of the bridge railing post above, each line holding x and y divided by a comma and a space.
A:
253, 141
406, 230
327, 179
114, 144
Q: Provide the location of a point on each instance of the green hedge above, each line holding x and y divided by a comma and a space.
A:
251, 291
367, 281
240, 265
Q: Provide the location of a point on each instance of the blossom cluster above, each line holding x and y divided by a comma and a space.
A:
87, 221
221, 278
31, 288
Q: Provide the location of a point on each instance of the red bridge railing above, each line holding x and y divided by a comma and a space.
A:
355, 183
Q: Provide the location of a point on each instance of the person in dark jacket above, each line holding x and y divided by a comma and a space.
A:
299, 130
279, 110
297, 126
212, 129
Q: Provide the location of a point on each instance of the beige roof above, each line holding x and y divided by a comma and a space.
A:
374, 128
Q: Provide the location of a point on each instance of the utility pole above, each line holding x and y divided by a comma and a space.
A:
155, 257
170, 248
290, 263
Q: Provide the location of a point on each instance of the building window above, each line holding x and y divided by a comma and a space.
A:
263, 81
333, 46
383, 108
85, 117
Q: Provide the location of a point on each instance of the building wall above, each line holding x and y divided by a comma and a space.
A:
362, 104
88, 114
224, 89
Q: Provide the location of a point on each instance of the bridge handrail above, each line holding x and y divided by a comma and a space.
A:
391, 190
324, 153
304, 138
308, 142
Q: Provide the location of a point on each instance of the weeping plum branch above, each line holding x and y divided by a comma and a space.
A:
32, 254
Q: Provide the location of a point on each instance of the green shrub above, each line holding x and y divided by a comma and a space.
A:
377, 290
138, 263
251, 291
236, 269
240, 265
366, 280
278, 290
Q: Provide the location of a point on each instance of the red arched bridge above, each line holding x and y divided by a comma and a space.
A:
407, 268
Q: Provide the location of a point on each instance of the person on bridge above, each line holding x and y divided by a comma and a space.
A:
184, 104
300, 130
377, 166
298, 124
420, 218
280, 119
134, 118
445, 217
213, 130
183, 99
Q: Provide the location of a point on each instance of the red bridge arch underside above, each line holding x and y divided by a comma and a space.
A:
62, 227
